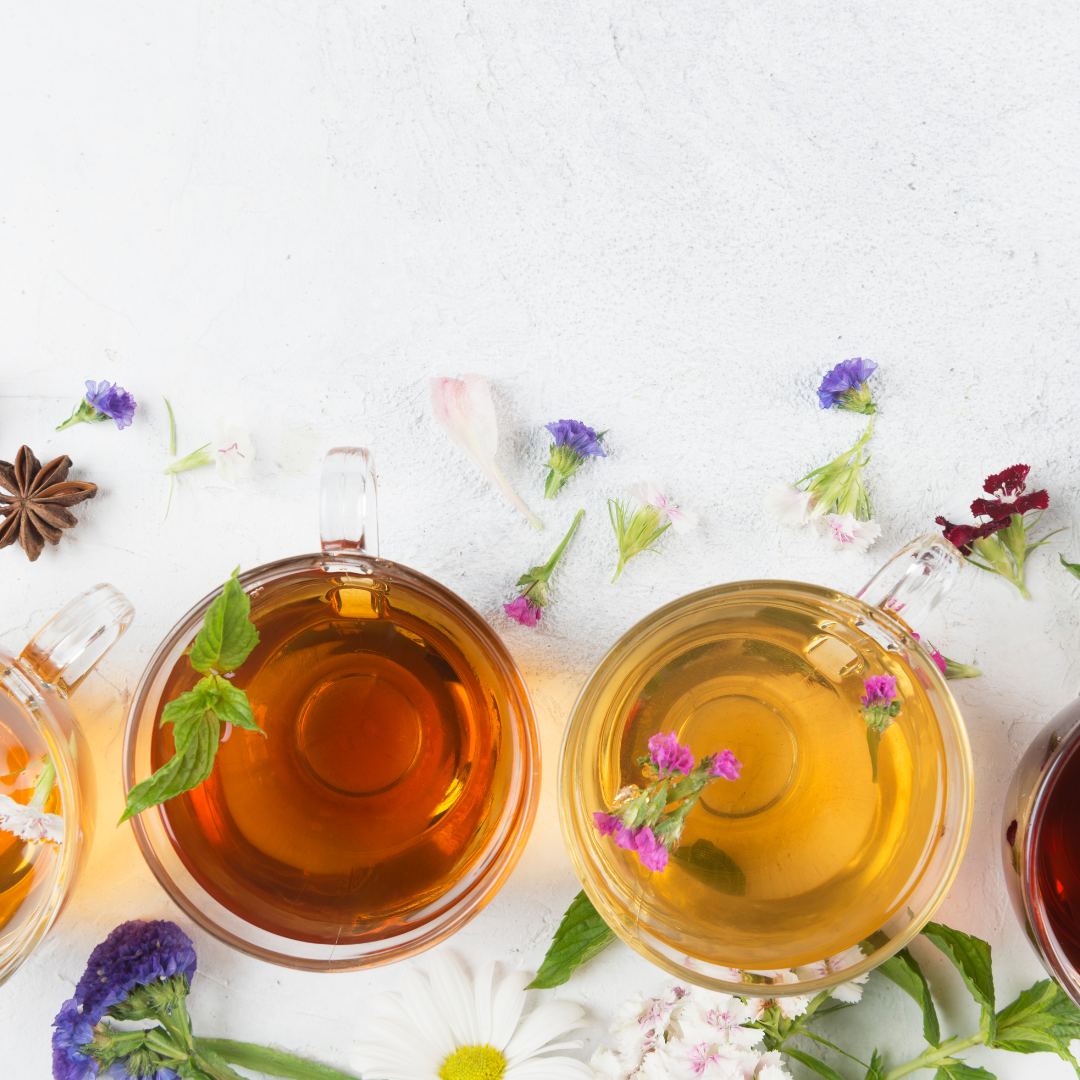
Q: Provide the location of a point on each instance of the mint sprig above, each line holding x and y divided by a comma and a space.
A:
581, 935
222, 644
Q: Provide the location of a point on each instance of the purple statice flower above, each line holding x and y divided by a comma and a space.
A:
845, 386
135, 954
880, 690
668, 755
573, 443
74, 1028
112, 400
524, 610
651, 852
724, 764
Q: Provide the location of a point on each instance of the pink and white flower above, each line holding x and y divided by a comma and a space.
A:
848, 992
846, 533
790, 1006
465, 411
650, 493
29, 823
790, 506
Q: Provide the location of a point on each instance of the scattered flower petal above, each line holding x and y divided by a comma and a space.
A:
650, 493
465, 411
790, 506
847, 533
30, 823
234, 453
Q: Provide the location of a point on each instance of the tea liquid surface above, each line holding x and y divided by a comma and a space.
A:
1058, 858
805, 855
26, 870
369, 797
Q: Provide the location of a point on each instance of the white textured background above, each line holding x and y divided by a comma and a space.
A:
666, 219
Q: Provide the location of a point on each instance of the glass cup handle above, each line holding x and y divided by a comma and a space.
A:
347, 514
912, 582
64, 651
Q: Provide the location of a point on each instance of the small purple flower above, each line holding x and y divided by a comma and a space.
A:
880, 691
112, 400
668, 755
651, 852
578, 437
725, 764
845, 386
524, 610
135, 954
606, 824
73, 1029
574, 442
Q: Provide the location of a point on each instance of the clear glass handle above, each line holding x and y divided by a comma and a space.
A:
912, 582
64, 651
347, 515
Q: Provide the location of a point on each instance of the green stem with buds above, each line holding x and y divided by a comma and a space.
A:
933, 1056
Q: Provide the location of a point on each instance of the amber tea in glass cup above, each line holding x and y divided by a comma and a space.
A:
397, 780
805, 862
42, 749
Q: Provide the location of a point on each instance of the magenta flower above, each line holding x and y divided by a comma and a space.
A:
880, 690
651, 852
724, 764
940, 661
524, 610
606, 824
880, 706
668, 755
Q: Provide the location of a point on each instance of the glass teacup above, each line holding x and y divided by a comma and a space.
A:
806, 864
1040, 846
47, 785
398, 777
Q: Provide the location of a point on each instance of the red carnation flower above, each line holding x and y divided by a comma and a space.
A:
963, 536
1010, 481
1033, 500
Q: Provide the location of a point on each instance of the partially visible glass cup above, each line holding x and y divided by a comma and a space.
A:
43, 747
773, 670
231, 853
1040, 846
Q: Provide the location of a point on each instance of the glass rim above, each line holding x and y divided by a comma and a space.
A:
655, 622
495, 861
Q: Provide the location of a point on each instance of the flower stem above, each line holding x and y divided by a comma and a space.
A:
934, 1055
44, 785
263, 1059
195, 460
557, 554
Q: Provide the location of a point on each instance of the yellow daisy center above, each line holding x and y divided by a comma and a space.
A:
473, 1063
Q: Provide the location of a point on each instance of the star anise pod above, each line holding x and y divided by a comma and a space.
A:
35, 508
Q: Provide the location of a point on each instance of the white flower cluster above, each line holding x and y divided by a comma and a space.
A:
685, 1034
29, 823
844, 532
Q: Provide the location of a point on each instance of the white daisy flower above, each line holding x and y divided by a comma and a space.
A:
650, 493
30, 823
846, 533
849, 992
790, 506
447, 1027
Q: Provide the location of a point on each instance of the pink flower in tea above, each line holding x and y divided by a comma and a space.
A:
524, 611
606, 824
880, 691
668, 755
650, 851
724, 764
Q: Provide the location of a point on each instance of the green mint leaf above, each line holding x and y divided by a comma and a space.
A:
581, 935
877, 1067
196, 734
959, 1070
903, 970
227, 635
1042, 1018
812, 1063
971, 956
232, 705
1072, 567
705, 861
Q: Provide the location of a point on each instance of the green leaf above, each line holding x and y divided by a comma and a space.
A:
812, 1063
232, 705
1072, 567
581, 935
877, 1067
959, 1070
227, 635
1042, 1018
971, 956
903, 970
196, 734
705, 861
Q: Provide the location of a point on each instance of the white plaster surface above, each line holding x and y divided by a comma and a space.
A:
666, 219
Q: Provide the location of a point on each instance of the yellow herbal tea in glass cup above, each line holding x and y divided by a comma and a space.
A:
805, 863
47, 792
397, 780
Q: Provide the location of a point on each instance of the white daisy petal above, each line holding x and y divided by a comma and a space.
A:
482, 999
417, 991
506, 1008
454, 995
541, 1026
552, 1068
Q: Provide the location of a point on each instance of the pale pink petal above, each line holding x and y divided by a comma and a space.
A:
465, 411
